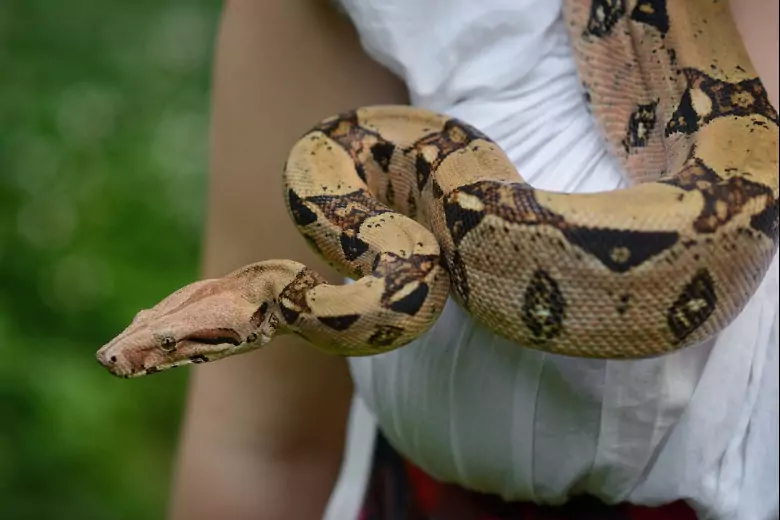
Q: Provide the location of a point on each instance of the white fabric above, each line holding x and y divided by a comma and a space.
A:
471, 408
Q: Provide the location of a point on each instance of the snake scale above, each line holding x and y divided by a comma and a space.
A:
416, 206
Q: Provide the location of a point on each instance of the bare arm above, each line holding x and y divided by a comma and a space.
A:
264, 432
757, 23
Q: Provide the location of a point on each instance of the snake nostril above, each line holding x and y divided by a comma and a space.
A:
113, 359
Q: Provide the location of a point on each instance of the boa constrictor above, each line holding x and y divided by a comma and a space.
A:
413, 204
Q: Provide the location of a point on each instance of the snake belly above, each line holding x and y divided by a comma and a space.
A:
416, 205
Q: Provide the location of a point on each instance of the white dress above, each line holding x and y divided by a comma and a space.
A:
471, 408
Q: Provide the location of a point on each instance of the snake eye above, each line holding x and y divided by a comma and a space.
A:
168, 344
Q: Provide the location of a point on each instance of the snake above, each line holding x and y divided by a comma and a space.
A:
415, 207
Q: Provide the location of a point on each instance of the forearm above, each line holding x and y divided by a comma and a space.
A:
263, 436
262, 490
221, 476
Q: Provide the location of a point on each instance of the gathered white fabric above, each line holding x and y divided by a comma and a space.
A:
472, 408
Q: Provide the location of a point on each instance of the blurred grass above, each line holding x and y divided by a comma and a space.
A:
103, 158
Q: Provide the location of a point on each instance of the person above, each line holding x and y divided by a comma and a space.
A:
264, 433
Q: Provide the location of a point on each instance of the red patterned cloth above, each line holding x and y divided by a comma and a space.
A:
398, 490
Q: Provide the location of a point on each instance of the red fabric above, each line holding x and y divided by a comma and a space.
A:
399, 490
451, 502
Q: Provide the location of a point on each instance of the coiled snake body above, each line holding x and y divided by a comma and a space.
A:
415, 206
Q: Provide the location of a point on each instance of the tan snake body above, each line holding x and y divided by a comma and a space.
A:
416, 205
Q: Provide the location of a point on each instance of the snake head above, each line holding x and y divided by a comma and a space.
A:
201, 322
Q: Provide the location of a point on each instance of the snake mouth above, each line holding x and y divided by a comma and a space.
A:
188, 352
200, 347
196, 352
214, 337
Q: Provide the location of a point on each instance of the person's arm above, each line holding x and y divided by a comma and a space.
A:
757, 23
264, 432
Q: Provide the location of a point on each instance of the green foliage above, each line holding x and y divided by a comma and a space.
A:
103, 159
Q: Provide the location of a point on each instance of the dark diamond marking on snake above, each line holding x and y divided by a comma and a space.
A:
459, 279
361, 172
290, 315
412, 302
544, 307
653, 13
463, 133
513, 202
292, 299
455, 135
744, 98
352, 247
604, 15
640, 126
459, 219
385, 335
411, 204
693, 307
723, 198
398, 272
436, 189
339, 322
339, 125
695, 175
423, 170
350, 210
767, 221
390, 194
685, 119
621, 250
382, 153
359, 142
257, 317
302, 215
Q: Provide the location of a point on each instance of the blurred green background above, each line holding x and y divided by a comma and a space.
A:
103, 160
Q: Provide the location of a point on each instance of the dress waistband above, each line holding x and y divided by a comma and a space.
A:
399, 490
